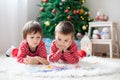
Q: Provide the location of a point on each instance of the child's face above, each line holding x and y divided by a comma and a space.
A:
33, 39
63, 40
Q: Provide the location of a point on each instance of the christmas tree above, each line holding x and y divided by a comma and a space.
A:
54, 11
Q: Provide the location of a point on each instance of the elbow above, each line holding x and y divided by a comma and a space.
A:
75, 61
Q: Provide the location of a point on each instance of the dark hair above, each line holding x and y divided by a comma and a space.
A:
65, 27
31, 27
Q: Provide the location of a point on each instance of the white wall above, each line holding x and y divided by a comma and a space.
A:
111, 7
8, 23
33, 9
13, 15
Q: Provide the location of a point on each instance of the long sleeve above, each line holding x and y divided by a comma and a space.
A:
55, 54
24, 51
70, 57
42, 50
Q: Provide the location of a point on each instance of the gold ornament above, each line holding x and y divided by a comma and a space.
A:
84, 27
83, 1
47, 23
68, 7
86, 12
89, 19
83, 19
81, 11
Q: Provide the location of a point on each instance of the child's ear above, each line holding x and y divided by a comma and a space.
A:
73, 37
55, 36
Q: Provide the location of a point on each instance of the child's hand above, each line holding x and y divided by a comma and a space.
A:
65, 48
42, 60
31, 60
59, 47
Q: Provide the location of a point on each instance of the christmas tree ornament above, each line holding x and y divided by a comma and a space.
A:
41, 8
99, 18
78, 12
66, 11
47, 23
81, 11
69, 18
86, 25
83, 1
63, 0
89, 19
45, 1
74, 11
101, 15
105, 17
68, 7
79, 35
54, 11
87, 14
84, 28
60, 4
83, 19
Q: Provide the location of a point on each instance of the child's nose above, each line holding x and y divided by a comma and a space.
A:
35, 40
63, 43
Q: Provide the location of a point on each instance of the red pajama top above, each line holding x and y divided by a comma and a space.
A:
24, 51
70, 57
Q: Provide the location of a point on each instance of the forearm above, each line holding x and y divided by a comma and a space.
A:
42, 60
54, 57
71, 58
20, 58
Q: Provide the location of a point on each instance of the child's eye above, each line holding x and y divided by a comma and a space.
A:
31, 37
59, 39
66, 40
38, 37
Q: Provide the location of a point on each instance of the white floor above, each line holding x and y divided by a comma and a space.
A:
111, 76
102, 77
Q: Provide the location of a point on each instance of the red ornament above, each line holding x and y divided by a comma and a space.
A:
79, 35
105, 18
74, 11
69, 17
78, 12
45, 0
81, 53
99, 18
88, 14
41, 9
54, 11
66, 11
